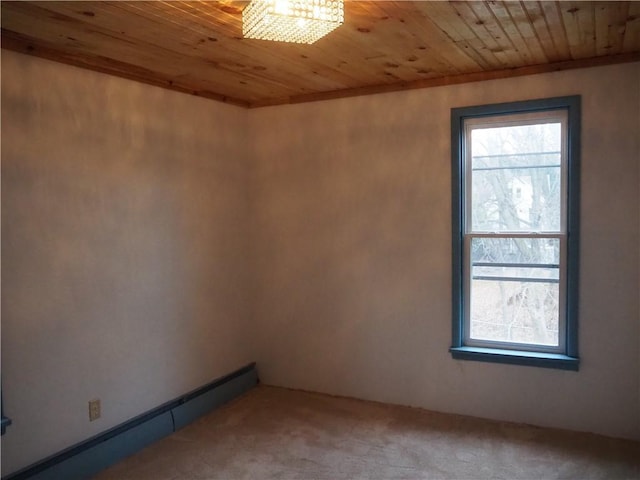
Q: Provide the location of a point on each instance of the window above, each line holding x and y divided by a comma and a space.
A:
515, 171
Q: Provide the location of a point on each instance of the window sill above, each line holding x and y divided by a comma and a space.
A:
516, 357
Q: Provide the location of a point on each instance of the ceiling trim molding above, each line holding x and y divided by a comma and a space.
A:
24, 44
27, 45
455, 79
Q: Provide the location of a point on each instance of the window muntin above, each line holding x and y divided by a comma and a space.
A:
515, 225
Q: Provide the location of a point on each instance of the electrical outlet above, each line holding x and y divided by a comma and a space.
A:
94, 409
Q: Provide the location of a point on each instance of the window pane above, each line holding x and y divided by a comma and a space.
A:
515, 290
516, 178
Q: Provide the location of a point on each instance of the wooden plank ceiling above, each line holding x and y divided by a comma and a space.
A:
197, 46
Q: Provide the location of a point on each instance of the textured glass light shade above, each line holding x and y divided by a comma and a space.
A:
297, 21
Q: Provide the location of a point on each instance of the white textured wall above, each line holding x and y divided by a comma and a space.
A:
353, 215
124, 232
152, 241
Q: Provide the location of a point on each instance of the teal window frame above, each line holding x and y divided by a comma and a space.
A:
567, 358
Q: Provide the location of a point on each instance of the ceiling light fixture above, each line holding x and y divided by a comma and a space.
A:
297, 21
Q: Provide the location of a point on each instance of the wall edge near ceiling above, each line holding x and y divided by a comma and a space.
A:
471, 77
30, 46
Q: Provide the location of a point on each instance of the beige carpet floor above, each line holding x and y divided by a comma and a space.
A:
275, 433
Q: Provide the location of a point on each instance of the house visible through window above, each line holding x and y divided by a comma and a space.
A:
515, 232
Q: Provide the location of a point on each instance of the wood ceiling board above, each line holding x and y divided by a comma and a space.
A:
216, 55
610, 29
197, 46
554, 27
632, 29
521, 30
358, 46
229, 73
435, 41
579, 22
104, 44
451, 22
551, 43
156, 55
488, 30
281, 63
431, 49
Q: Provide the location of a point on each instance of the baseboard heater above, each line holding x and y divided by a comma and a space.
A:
87, 458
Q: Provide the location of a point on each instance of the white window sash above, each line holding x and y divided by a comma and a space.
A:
547, 116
